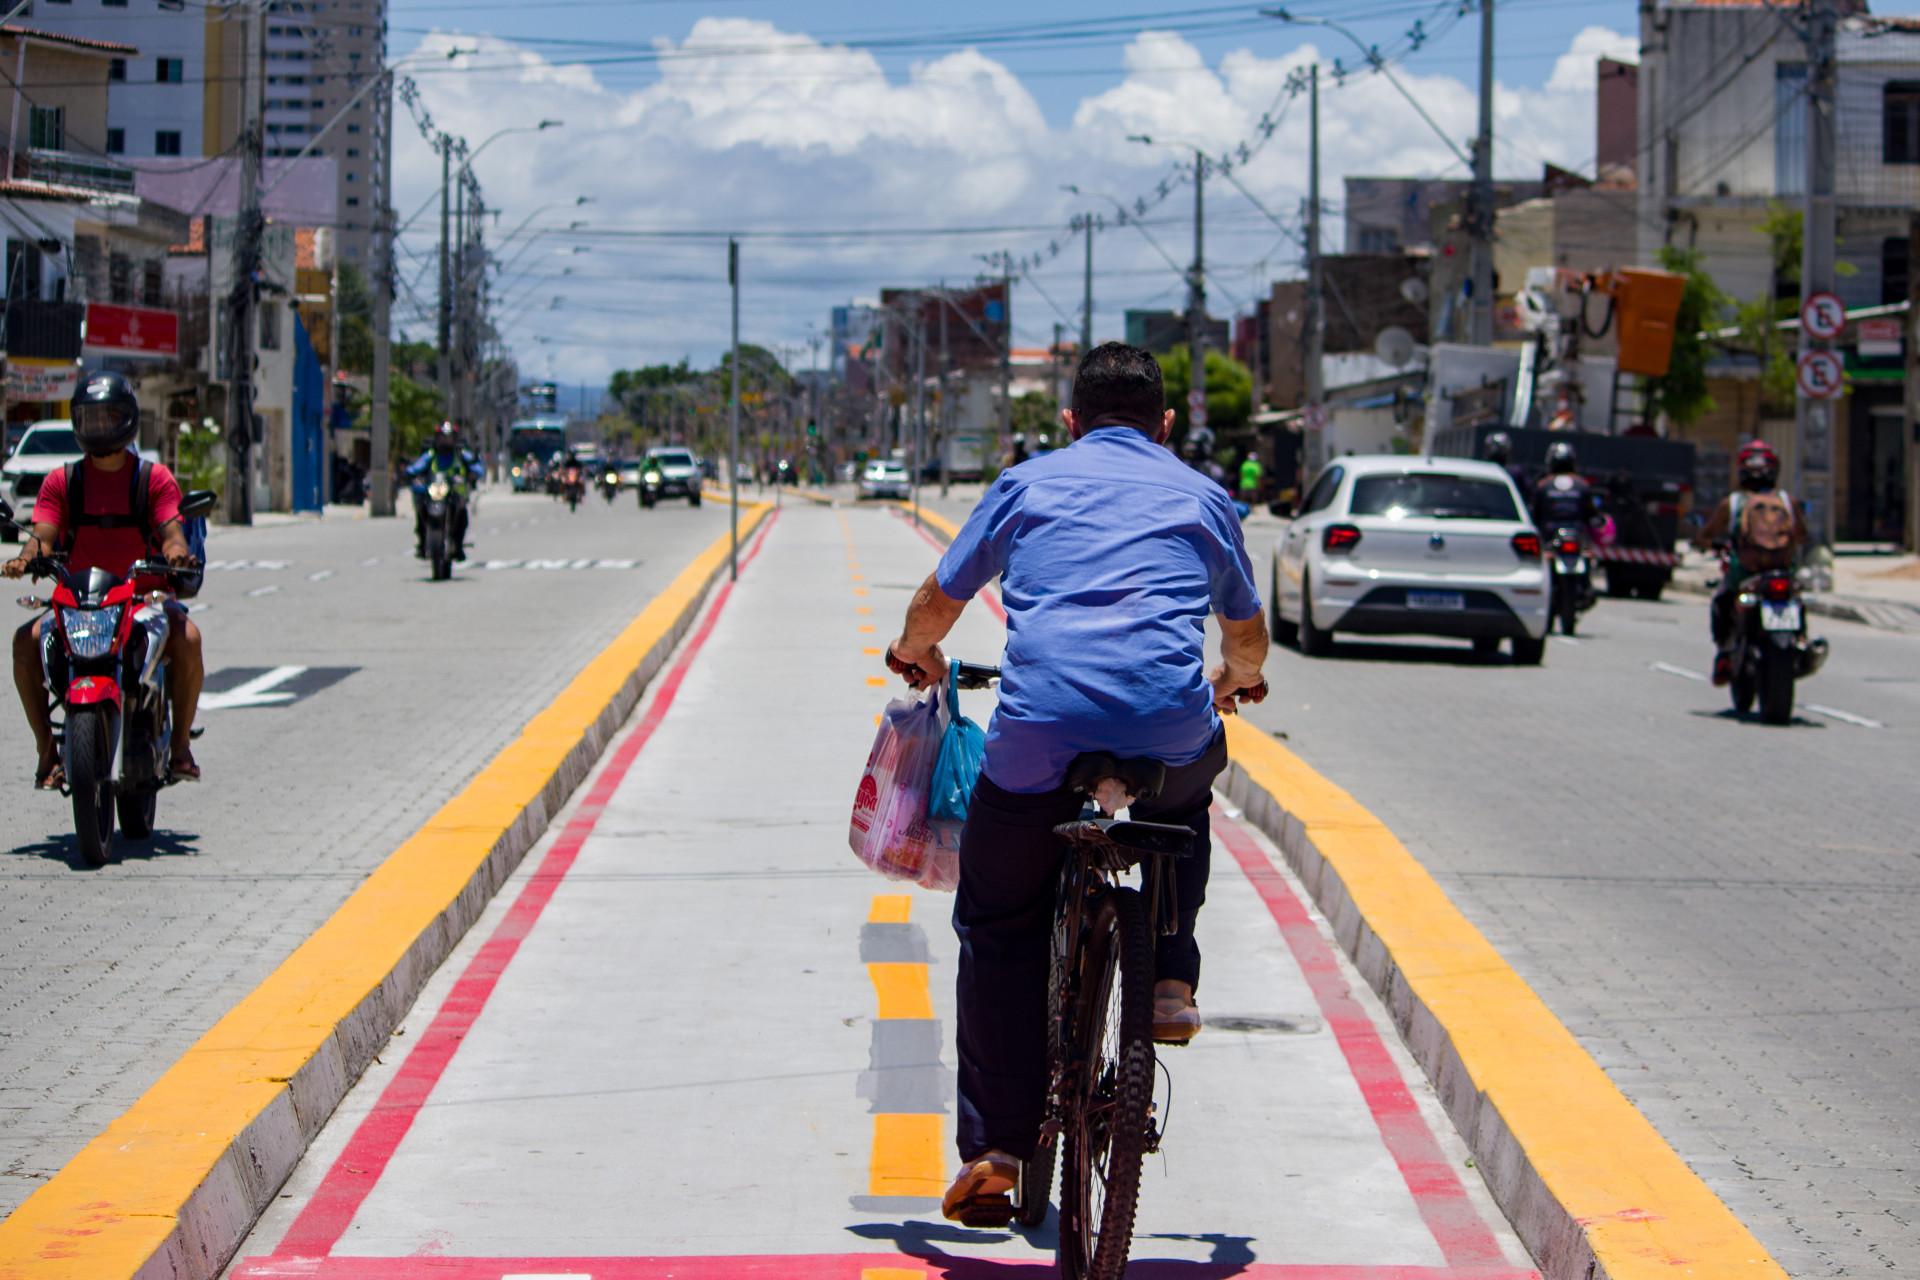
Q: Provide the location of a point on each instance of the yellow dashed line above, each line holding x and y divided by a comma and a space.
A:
906, 1148
876, 680
890, 1273
862, 609
871, 653
864, 627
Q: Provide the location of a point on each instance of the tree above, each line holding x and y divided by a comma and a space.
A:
414, 408
356, 321
1036, 415
1681, 393
1229, 392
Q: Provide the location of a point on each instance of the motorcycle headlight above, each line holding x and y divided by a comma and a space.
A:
439, 490
652, 477
90, 632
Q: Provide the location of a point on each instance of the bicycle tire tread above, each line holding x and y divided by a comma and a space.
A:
1133, 1100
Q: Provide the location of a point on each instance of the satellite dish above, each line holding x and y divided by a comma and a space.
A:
1414, 290
1394, 345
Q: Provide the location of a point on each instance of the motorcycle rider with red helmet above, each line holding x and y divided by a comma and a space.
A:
1758, 527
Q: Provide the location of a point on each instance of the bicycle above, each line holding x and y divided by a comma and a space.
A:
1100, 1054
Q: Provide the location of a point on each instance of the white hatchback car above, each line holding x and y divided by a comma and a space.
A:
1394, 545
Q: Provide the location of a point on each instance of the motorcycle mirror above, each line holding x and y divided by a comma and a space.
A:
198, 504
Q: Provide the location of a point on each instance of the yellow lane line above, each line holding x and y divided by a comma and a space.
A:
906, 1148
173, 1185
1538, 1109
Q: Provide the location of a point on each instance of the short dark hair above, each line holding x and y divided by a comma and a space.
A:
1119, 384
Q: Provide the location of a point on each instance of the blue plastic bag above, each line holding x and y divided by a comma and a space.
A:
956, 769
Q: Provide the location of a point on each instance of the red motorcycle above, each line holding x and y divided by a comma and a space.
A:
104, 655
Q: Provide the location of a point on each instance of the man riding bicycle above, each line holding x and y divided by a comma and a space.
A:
1111, 555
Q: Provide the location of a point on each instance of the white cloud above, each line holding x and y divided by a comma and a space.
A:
1573, 71
804, 135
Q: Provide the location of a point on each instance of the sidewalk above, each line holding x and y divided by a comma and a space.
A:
1879, 591
694, 1038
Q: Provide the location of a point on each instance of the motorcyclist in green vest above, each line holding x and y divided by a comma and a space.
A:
443, 456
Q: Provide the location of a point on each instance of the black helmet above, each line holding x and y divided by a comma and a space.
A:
106, 417
1498, 447
446, 438
1561, 459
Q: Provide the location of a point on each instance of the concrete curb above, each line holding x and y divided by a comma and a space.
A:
1591, 1188
1887, 615
171, 1188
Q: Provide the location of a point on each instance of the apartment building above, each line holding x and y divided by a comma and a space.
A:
184, 93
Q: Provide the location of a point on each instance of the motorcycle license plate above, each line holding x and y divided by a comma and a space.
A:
1781, 616
1436, 600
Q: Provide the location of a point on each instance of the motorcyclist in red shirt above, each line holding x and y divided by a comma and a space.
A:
108, 534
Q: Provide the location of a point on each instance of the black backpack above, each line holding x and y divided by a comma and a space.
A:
139, 516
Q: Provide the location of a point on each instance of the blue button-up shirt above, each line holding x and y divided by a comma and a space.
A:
1111, 554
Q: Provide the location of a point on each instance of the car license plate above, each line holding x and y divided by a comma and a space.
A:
1436, 600
1780, 616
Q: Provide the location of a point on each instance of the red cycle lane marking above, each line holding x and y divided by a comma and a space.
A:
352, 1177
1464, 1238
848, 1266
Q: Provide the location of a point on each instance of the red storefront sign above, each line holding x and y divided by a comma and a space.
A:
136, 329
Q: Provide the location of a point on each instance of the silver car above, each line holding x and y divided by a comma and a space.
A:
885, 478
1393, 545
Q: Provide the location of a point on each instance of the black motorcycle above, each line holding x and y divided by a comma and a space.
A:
1772, 647
443, 518
1572, 571
609, 483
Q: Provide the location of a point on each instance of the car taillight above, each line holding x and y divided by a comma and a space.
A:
1339, 539
1526, 544
1567, 546
1777, 589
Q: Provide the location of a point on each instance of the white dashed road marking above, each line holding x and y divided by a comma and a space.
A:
320, 576
1682, 672
263, 591
1847, 716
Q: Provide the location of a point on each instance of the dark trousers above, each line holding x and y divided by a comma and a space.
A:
1009, 872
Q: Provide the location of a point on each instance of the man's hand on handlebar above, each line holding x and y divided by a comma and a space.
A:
921, 670
1230, 691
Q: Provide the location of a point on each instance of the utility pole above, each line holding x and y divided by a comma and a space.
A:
1813, 419
918, 452
1480, 314
733, 421
379, 474
1086, 300
946, 400
1912, 424
1197, 299
1315, 337
444, 348
1006, 350
241, 300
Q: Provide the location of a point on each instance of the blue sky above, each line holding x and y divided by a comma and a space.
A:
926, 123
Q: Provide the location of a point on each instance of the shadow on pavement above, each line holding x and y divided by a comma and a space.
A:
64, 847
1411, 654
1753, 717
1232, 1255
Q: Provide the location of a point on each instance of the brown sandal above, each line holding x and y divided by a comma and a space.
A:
183, 769
980, 1194
54, 779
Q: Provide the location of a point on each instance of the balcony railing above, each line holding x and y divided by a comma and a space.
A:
71, 169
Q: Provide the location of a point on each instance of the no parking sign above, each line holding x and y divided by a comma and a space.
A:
1819, 375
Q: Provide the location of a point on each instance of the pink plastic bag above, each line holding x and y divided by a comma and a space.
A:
889, 830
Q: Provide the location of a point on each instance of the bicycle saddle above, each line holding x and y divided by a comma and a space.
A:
1117, 845
1142, 777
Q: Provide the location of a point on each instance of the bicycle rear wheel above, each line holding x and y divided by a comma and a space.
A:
1106, 1125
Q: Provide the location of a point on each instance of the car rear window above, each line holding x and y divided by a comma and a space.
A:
1434, 495
52, 440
